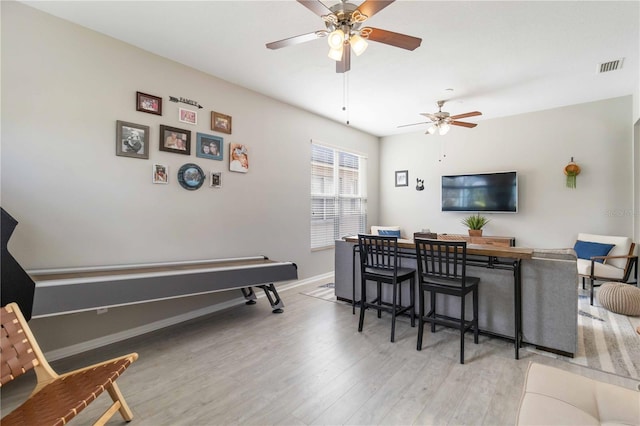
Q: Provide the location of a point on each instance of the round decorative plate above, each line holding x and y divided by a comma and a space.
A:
191, 176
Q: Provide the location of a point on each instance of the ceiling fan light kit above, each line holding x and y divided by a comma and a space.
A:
343, 21
444, 128
336, 54
358, 44
336, 39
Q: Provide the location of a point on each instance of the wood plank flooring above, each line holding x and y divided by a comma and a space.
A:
309, 366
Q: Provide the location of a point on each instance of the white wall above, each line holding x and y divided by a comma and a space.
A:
636, 180
636, 104
538, 145
636, 162
78, 204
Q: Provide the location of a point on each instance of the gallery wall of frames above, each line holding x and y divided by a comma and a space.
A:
135, 140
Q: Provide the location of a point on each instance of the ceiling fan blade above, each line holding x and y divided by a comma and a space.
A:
394, 39
345, 64
371, 7
463, 124
465, 115
415, 124
303, 38
316, 7
431, 117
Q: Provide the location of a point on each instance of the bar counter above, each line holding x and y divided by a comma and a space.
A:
546, 292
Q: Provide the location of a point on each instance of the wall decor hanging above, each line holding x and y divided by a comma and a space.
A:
571, 170
402, 178
132, 140
191, 176
160, 173
209, 146
185, 101
148, 103
220, 122
187, 116
175, 140
238, 158
216, 180
420, 185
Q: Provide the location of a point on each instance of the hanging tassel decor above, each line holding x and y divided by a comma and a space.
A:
571, 170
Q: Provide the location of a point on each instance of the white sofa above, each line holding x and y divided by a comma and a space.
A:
552, 397
375, 230
617, 263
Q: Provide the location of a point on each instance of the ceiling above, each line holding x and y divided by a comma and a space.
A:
501, 58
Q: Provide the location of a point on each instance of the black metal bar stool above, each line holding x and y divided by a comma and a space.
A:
379, 262
442, 267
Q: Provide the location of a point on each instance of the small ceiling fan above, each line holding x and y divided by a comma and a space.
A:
442, 121
343, 22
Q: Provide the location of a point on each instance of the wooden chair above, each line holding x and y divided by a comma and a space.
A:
379, 262
442, 270
56, 399
616, 266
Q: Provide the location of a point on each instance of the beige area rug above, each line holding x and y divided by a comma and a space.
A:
606, 341
325, 292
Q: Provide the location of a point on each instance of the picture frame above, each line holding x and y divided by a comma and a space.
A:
187, 116
220, 122
216, 180
238, 158
175, 140
402, 178
209, 146
160, 174
132, 140
191, 176
148, 103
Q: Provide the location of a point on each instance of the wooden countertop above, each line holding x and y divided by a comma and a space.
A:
478, 249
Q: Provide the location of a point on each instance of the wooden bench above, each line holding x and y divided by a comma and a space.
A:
56, 398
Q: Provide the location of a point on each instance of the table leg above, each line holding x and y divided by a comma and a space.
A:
274, 298
353, 281
517, 279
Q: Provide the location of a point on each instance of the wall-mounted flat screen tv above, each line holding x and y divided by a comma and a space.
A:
481, 192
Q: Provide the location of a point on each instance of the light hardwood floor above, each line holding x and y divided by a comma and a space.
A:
307, 366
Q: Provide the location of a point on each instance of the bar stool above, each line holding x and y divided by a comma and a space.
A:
379, 262
442, 270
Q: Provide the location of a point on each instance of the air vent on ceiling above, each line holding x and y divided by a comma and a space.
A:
610, 66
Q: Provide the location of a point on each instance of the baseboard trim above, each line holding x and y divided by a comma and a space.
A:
315, 279
157, 325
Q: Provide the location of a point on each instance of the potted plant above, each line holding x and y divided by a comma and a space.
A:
475, 223
571, 170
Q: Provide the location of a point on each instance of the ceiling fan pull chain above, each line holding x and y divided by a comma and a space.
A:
345, 94
443, 153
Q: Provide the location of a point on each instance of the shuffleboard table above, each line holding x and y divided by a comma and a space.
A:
68, 290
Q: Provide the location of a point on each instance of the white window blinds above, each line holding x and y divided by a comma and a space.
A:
338, 195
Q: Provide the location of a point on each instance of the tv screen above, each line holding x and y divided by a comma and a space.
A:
482, 192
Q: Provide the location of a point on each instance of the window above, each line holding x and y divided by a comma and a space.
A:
338, 195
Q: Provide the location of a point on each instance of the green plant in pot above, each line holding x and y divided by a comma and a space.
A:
475, 223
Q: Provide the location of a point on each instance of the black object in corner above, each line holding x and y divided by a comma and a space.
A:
16, 285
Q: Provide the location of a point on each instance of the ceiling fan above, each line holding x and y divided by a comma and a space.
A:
442, 121
344, 32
